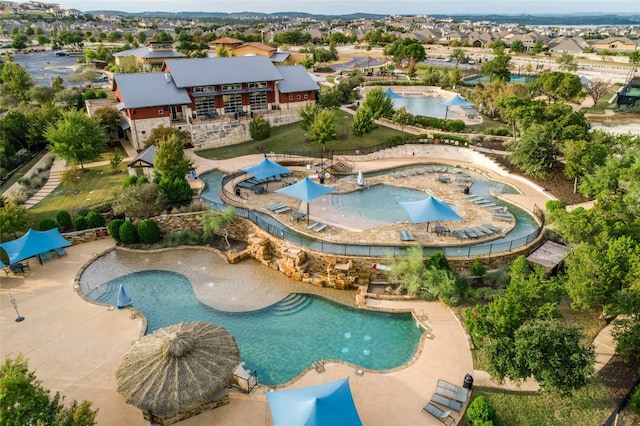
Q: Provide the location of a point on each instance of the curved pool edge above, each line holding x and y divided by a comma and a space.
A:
139, 314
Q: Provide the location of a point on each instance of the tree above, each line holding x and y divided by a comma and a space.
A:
214, 221
597, 88
16, 79
308, 114
362, 122
581, 158
567, 62
558, 85
42, 94
176, 190
498, 68
24, 401
162, 132
169, 161
548, 351
139, 201
14, 218
517, 46
259, 128
109, 120
379, 103
403, 117
323, 127
535, 152
459, 55
77, 138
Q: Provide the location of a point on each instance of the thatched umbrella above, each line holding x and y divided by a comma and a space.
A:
177, 367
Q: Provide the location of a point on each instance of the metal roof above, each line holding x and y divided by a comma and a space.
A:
213, 71
295, 79
147, 53
279, 57
145, 158
150, 89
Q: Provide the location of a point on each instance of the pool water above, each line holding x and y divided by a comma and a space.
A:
429, 106
378, 204
282, 340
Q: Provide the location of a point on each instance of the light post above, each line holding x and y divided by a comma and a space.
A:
15, 306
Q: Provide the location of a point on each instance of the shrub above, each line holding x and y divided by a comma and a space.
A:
553, 205
114, 228
259, 128
64, 219
46, 224
80, 223
497, 131
185, 237
454, 125
148, 231
96, 220
481, 412
130, 180
634, 400
128, 233
478, 268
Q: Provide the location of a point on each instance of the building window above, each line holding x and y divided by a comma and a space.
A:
257, 85
160, 111
298, 97
231, 87
203, 89
258, 101
291, 97
306, 96
232, 103
205, 105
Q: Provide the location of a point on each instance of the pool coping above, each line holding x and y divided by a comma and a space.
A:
137, 313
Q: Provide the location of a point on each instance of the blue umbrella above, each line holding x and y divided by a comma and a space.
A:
266, 169
455, 101
306, 190
327, 404
124, 299
430, 210
33, 243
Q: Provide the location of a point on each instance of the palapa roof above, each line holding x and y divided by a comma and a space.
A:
550, 255
177, 367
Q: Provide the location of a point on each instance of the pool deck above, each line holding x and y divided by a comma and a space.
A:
75, 347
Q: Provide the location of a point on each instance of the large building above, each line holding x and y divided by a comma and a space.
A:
211, 94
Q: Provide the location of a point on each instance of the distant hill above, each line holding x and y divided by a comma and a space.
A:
573, 19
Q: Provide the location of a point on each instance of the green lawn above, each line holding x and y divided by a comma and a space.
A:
603, 102
291, 139
96, 186
588, 406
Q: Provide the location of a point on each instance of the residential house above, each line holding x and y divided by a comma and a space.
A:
210, 92
150, 57
452, 36
479, 39
614, 44
567, 45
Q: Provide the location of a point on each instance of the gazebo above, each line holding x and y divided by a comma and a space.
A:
179, 371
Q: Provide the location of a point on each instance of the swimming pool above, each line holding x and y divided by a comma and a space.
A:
429, 106
279, 341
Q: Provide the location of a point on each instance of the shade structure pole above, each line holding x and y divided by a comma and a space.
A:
307, 212
446, 110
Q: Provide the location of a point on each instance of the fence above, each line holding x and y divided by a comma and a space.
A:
274, 227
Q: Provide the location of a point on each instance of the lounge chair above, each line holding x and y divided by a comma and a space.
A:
443, 416
495, 229
321, 227
276, 206
503, 217
497, 209
60, 252
282, 209
45, 255
455, 392
460, 234
312, 225
446, 402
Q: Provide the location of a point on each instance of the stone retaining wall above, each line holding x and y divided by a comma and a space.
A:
299, 263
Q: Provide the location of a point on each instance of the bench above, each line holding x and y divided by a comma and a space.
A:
446, 402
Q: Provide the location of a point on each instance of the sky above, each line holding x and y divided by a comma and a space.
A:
387, 7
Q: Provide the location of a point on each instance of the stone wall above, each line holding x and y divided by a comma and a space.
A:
229, 131
302, 264
86, 236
